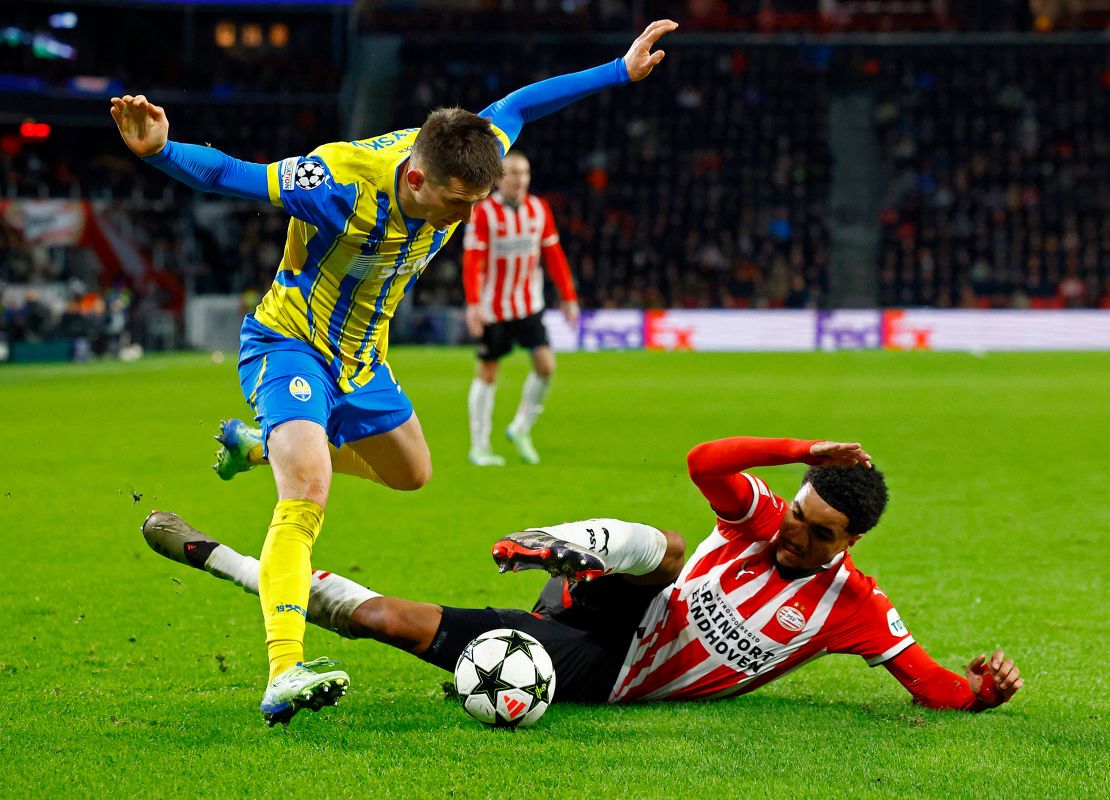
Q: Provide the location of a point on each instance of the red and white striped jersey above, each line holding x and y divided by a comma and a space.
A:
731, 622
502, 250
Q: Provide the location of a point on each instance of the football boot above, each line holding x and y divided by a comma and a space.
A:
236, 439
538, 550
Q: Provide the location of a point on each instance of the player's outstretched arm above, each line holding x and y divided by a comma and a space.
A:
511, 113
145, 130
988, 683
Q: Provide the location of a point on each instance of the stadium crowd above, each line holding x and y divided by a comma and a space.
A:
261, 103
999, 177
763, 16
707, 188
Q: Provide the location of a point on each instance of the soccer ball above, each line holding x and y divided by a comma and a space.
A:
505, 679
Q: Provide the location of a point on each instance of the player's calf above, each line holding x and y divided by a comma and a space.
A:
332, 599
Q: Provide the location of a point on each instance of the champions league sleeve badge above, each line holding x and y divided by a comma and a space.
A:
310, 174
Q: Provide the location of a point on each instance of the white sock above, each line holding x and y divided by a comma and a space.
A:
480, 405
223, 562
627, 548
332, 599
531, 402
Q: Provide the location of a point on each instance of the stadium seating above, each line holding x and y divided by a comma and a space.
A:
999, 165
702, 187
706, 186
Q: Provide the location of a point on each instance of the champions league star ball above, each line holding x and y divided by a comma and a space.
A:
505, 679
310, 174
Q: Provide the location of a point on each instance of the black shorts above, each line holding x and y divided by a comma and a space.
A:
498, 337
586, 628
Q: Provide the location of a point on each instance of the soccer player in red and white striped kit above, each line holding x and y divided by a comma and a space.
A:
629, 618
511, 232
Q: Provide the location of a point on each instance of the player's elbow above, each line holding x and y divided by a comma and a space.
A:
697, 460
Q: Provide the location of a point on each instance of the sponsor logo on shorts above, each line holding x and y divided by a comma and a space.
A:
894, 622
299, 388
791, 618
288, 170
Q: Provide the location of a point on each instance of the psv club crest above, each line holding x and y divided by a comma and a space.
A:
791, 618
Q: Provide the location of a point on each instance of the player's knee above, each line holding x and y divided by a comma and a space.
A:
396, 622
412, 480
306, 488
487, 371
416, 481
380, 618
543, 362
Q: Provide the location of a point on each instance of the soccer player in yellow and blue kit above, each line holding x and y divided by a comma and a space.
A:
367, 217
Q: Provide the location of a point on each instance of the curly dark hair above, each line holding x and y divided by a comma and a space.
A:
453, 143
856, 492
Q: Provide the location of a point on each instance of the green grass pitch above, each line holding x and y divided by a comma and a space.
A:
125, 675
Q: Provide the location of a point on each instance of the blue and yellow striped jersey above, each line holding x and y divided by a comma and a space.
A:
351, 254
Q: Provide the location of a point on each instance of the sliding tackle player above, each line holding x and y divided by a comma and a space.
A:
628, 617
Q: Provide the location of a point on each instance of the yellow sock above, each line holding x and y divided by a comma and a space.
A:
284, 578
349, 462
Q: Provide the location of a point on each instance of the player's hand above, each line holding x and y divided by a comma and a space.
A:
995, 680
839, 454
142, 124
570, 312
475, 325
639, 60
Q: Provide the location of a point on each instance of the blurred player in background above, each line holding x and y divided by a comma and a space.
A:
368, 216
629, 618
510, 233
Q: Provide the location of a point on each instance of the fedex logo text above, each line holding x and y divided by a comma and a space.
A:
659, 334
897, 335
